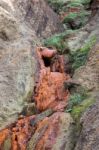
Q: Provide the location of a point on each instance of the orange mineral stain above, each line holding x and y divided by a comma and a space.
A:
50, 93
3, 135
50, 90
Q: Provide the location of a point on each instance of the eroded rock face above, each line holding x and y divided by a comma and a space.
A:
40, 132
17, 69
55, 133
45, 130
88, 76
20, 132
50, 91
39, 17
89, 137
18, 59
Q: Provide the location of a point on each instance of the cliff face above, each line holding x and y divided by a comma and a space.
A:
88, 77
86, 67
49, 95
21, 22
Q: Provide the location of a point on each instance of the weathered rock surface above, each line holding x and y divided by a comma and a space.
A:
88, 75
89, 137
79, 38
39, 17
17, 68
50, 91
55, 133
17, 135
18, 62
40, 132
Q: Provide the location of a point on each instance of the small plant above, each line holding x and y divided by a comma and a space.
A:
79, 57
75, 5
79, 109
84, 2
58, 41
77, 19
75, 100
56, 4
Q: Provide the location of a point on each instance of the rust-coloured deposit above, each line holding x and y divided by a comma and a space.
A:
50, 93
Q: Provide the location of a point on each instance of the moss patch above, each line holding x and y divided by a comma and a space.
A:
74, 100
75, 5
57, 5
84, 2
79, 57
59, 41
76, 19
78, 110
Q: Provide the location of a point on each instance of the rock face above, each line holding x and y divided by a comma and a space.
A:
17, 66
39, 17
88, 75
49, 129
50, 91
18, 62
55, 133
89, 138
40, 132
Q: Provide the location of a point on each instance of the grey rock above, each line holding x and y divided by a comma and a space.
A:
39, 17
89, 136
7, 144
65, 139
18, 59
88, 75
77, 40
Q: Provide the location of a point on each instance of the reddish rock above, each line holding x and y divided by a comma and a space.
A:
58, 64
50, 91
21, 131
48, 53
3, 136
53, 133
